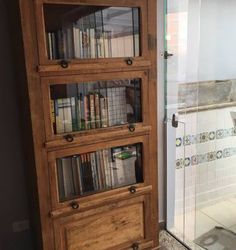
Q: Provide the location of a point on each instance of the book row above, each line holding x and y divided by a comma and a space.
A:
97, 35
99, 171
93, 109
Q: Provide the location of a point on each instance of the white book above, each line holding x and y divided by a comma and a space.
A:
94, 171
50, 46
67, 115
107, 168
59, 114
114, 50
137, 46
129, 46
67, 177
92, 43
76, 35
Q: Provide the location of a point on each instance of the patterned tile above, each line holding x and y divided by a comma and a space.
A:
187, 162
187, 140
220, 134
212, 135
219, 154
211, 156
226, 152
178, 142
179, 163
194, 160
203, 158
205, 137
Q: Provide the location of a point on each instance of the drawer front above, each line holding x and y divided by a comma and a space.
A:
116, 226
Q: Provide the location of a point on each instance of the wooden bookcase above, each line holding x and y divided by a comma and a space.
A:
91, 80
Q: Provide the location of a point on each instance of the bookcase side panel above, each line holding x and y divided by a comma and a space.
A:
152, 45
37, 122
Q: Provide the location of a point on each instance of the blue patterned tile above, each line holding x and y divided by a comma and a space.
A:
219, 154
226, 152
187, 162
212, 135
202, 158
178, 142
233, 131
219, 133
227, 133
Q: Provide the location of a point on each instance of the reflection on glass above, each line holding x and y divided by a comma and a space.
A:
91, 31
93, 172
91, 105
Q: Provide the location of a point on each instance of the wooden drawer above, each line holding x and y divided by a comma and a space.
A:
116, 226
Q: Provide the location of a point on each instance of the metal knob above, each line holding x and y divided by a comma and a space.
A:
129, 61
132, 189
64, 64
74, 205
135, 246
131, 127
69, 138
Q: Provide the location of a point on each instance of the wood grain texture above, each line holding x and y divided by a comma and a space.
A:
115, 227
109, 220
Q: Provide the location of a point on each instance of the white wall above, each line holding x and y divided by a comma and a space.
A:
217, 51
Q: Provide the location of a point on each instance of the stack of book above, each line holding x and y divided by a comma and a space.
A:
96, 108
97, 171
91, 37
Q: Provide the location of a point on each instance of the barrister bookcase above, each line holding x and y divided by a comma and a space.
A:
91, 80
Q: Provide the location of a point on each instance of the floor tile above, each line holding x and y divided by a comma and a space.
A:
222, 212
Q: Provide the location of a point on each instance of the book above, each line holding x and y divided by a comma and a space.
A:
49, 39
76, 36
92, 110
73, 102
60, 179
87, 174
79, 171
75, 175
67, 177
97, 110
86, 112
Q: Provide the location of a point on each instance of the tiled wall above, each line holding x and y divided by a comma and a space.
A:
207, 149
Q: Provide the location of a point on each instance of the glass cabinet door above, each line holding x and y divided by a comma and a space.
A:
101, 170
81, 104
92, 30
79, 172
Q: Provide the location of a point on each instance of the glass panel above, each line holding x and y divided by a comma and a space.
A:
78, 32
91, 105
85, 174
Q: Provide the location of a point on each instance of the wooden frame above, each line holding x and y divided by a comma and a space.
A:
40, 72
56, 204
46, 82
128, 3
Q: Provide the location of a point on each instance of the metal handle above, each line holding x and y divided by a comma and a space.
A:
131, 127
129, 61
132, 189
74, 205
64, 64
167, 54
135, 246
174, 121
69, 138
